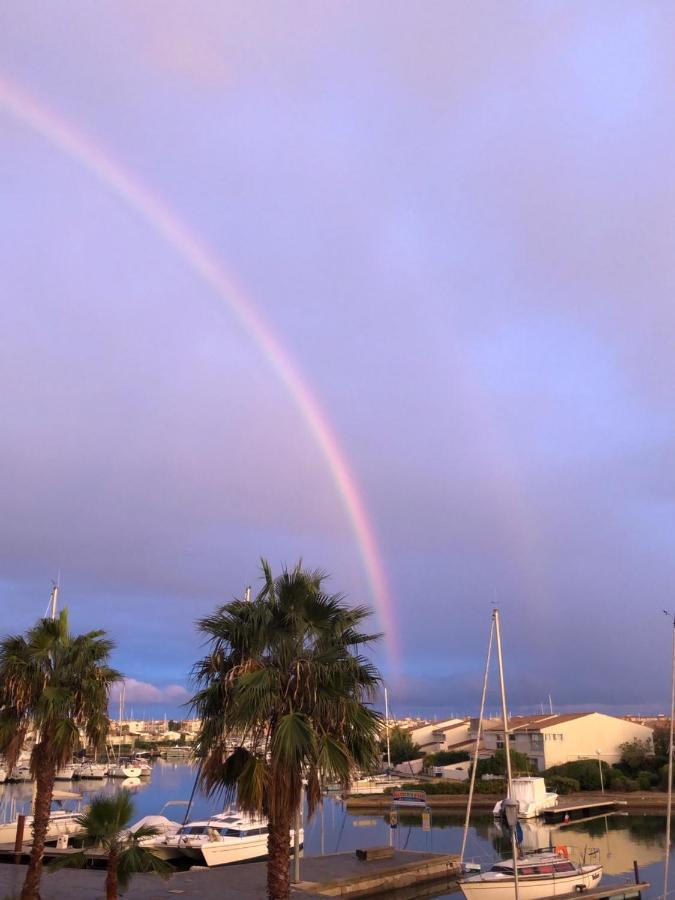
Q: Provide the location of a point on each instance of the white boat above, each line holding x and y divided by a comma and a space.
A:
65, 773
229, 837
531, 796
144, 766
540, 875
3, 774
91, 770
161, 844
20, 773
123, 770
61, 821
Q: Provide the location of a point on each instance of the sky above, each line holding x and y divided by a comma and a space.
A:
380, 286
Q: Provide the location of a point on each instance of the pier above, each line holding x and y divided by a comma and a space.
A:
334, 875
575, 812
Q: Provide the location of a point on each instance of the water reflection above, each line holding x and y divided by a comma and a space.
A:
620, 838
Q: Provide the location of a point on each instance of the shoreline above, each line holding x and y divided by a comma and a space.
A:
637, 801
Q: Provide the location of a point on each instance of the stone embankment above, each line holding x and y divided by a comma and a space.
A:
639, 801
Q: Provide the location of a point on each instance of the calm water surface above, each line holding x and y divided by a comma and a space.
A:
620, 838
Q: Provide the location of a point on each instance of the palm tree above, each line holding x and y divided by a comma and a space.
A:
283, 694
54, 684
106, 824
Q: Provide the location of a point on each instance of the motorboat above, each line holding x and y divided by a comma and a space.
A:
65, 773
531, 795
546, 873
91, 770
20, 772
160, 844
62, 821
123, 770
229, 837
3, 774
144, 766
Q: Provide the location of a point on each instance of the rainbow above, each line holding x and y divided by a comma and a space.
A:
205, 264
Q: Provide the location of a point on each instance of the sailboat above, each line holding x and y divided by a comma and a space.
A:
544, 873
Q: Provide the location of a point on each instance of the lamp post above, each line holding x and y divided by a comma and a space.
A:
602, 783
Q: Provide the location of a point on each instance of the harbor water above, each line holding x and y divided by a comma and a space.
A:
621, 839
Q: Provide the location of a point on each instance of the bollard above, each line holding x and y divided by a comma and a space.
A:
18, 840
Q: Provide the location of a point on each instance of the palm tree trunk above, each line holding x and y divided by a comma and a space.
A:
44, 782
279, 848
111, 877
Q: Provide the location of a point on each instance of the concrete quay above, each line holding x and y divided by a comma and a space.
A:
405, 875
638, 801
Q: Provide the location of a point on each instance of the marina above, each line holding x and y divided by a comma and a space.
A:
337, 831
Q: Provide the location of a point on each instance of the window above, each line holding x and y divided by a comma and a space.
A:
564, 867
544, 870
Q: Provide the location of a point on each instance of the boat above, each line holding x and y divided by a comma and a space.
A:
531, 796
143, 765
229, 837
3, 774
123, 770
20, 772
65, 773
62, 821
91, 770
546, 873
535, 876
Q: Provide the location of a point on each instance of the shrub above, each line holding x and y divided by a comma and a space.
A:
446, 758
620, 782
645, 780
496, 764
585, 771
561, 784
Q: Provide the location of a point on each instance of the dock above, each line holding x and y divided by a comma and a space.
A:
406, 872
628, 891
574, 812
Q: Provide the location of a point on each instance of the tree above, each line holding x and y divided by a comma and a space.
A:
401, 745
54, 684
496, 764
284, 693
106, 824
636, 754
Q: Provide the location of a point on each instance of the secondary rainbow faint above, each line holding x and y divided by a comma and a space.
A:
165, 222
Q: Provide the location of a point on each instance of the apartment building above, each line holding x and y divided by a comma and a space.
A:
551, 740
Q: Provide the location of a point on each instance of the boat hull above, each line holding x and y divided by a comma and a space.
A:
537, 887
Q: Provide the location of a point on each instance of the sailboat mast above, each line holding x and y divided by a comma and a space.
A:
670, 765
507, 748
53, 600
505, 717
386, 725
476, 751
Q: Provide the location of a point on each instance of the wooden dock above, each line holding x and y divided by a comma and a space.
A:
578, 811
628, 891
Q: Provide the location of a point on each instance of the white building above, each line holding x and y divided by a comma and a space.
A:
449, 734
551, 740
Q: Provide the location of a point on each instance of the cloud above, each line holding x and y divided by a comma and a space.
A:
144, 692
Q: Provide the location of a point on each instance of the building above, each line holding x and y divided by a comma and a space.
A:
449, 734
551, 740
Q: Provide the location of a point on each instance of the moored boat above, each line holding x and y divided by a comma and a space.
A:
91, 770
546, 873
61, 821
531, 795
226, 838
123, 770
